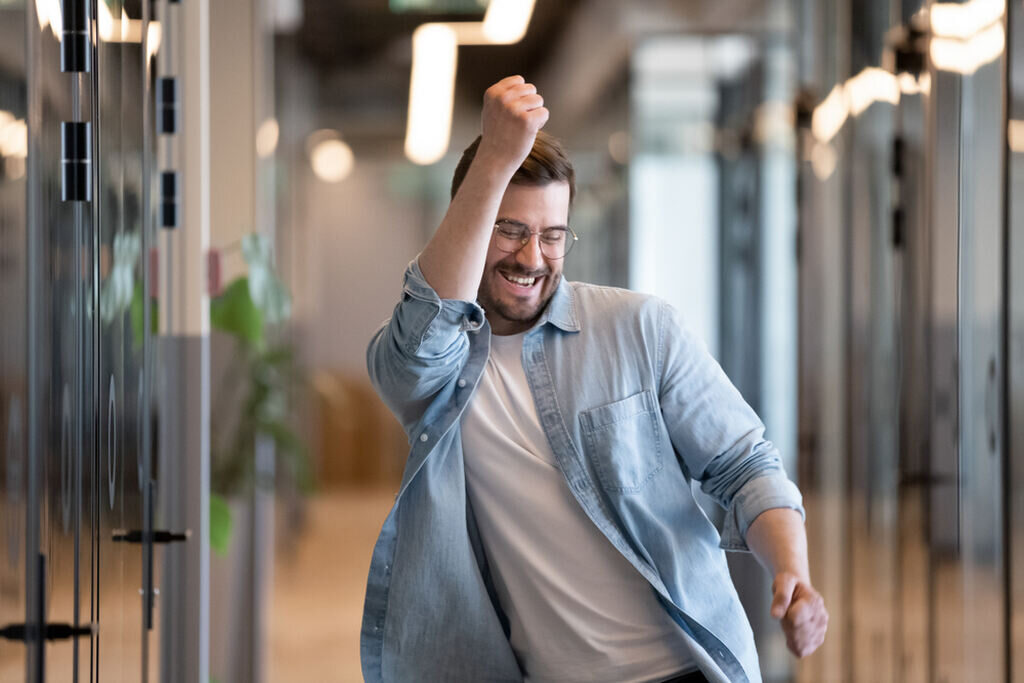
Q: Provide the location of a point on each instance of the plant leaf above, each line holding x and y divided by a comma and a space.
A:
138, 310
220, 524
235, 313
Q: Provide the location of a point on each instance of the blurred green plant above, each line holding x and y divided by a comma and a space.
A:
252, 400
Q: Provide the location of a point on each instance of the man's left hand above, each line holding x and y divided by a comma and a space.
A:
802, 612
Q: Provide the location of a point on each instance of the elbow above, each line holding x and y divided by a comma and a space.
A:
731, 471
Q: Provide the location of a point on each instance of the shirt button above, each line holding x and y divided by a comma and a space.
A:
423, 437
462, 383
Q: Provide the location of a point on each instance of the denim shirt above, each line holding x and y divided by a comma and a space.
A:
634, 408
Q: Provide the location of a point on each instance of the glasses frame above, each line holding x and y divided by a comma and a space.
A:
538, 233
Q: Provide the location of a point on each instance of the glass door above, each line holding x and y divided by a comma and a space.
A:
123, 328
76, 589
13, 340
60, 264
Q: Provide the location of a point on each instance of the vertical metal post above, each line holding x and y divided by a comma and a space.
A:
184, 477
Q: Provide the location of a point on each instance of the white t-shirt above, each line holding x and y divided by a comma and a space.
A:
577, 609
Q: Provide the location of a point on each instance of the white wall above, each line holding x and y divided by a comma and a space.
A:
353, 243
674, 236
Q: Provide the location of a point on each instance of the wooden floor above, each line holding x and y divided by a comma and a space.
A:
319, 581
317, 602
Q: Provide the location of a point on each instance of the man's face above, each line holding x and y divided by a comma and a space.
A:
513, 307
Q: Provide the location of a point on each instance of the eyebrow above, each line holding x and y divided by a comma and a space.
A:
520, 224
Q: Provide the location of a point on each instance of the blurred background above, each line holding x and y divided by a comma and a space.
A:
206, 209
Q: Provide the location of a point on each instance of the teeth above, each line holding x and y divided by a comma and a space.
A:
524, 281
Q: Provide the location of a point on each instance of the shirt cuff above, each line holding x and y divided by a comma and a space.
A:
757, 495
436, 322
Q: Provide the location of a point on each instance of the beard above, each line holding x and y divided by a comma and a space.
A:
501, 307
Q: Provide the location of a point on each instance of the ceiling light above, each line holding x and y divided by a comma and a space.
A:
830, 115
506, 21
869, 86
431, 93
14, 139
966, 56
853, 97
914, 86
50, 14
963, 20
154, 35
266, 138
332, 160
105, 23
1015, 135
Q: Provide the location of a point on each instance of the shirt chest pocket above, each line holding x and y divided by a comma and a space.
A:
623, 441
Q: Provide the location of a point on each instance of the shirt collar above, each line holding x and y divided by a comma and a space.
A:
561, 310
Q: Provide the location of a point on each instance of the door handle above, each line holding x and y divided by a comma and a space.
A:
53, 631
139, 536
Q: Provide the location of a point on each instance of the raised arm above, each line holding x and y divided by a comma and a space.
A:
422, 347
453, 260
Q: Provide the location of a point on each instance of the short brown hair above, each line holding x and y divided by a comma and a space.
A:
546, 163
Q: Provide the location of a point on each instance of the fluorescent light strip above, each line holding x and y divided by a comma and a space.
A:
965, 57
50, 14
434, 56
964, 20
506, 21
431, 93
914, 86
869, 86
105, 23
154, 34
830, 115
858, 93
119, 30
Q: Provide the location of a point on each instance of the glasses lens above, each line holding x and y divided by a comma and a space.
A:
555, 243
510, 237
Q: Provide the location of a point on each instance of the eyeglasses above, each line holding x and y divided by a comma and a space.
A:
555, 243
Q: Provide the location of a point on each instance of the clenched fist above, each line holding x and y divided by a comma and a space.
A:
802, 612
513, 113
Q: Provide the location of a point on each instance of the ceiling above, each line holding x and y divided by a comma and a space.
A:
362, 52
576, 50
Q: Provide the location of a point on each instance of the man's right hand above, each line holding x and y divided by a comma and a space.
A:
513, 113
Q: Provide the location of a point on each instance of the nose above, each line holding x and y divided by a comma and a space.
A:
530, 256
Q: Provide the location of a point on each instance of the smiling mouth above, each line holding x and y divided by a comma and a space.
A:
520, 280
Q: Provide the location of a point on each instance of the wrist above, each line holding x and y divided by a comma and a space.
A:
496, 161
802, 574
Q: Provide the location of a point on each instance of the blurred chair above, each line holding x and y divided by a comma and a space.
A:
356, 438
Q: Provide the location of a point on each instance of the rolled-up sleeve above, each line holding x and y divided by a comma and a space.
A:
756, 496
427, 324
717, 435
420, 347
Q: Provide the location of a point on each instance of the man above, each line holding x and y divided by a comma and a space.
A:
545, 528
